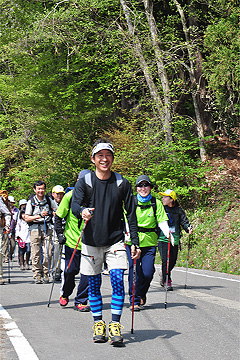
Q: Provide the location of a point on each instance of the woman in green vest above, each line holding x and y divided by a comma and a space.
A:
150, 217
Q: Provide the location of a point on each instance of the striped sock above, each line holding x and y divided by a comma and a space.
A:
118, 294
95, 297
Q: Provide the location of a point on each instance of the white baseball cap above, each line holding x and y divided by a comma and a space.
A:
11, 199
58, 189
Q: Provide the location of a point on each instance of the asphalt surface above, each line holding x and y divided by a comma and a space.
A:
200, 322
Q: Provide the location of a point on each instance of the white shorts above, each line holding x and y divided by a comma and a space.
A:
93, 258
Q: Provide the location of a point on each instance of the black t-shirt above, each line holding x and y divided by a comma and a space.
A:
107, 224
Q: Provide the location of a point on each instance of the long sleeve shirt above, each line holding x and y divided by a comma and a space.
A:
106, 226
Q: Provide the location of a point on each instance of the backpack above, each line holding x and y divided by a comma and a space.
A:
48, 201
89, 186
4, 197
154, 206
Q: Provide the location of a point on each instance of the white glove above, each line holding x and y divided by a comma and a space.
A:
165, 229
172, 239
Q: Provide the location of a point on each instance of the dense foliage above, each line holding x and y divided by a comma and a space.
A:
72, 71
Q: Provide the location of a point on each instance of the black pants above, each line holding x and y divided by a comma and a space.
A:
163, 249
69, 277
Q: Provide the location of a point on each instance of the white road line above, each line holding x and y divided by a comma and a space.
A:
231, 304
209, 276
20, 343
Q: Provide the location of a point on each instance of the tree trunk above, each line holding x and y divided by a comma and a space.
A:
191, 56
148, 4
145, 69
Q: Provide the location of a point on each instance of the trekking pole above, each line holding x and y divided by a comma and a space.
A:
53, 247
166, 283
13, 255
133, 291
80, 236
9, 279
45, 231
189, 241
54, 276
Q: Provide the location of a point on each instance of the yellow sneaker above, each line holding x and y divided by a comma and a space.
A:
99, 335
115, 336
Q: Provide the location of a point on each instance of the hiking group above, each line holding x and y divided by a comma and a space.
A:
97, 224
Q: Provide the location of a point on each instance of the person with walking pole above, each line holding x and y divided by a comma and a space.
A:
189, 243
105, 192
69, 232
5, 221
177, 220
38, 215
151, 217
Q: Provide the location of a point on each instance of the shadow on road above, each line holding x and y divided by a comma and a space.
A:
145, 335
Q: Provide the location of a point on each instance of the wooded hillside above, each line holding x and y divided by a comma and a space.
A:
160, 78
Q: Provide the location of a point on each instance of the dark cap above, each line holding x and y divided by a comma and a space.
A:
142, 178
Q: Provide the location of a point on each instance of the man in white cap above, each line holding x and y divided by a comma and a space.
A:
104, 193
57, 194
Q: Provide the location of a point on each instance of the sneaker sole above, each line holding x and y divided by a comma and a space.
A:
100, 340
116, 342
82, 310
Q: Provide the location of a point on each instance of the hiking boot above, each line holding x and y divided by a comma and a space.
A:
82, 308
135, 308
27, 267
2, 282
169, 286
63, 301
45, 279
22, 267
114, 330
38, 280
58, 277
143, 300
99, 335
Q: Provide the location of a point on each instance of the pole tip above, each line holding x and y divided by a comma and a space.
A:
185, 286
165, 305
131, 331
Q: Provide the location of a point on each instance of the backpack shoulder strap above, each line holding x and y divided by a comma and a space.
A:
88, 179
89, 189
119, 179
154, 206
49, 202
119, 182
135, 200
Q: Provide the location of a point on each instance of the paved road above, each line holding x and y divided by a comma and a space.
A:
201, 322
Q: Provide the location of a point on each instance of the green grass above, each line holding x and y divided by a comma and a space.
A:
216, 239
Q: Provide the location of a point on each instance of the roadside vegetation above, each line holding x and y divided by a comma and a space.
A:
158, 78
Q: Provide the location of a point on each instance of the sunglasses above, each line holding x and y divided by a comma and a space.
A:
143, 185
